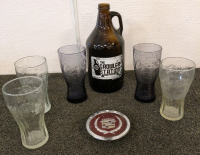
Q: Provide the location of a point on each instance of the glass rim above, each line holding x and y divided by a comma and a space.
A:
31, 66
71, 46
134, 47
194, 64
9, 94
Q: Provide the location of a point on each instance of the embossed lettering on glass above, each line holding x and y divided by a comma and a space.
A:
146, 59
25, 98
34, 66
73, 65
176, 75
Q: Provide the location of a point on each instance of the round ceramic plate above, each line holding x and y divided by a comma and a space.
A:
108, 125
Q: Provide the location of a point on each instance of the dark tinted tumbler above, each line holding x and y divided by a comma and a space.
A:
146, 58
73, 65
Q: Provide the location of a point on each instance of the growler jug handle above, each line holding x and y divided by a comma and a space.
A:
112, 14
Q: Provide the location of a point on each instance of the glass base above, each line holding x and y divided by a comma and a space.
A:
145, 101
38, 145
78, 100
172, 109
170, 118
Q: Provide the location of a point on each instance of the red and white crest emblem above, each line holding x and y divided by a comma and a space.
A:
108, 123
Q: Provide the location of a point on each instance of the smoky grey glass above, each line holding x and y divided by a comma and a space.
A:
25, 99
73, 65
176, 75
34, 66
146, 59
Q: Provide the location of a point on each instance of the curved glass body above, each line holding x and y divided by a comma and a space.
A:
34, 66
146, 57
73, 65
176, 76
25, 98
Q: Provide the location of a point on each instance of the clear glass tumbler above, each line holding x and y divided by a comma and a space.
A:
25, 98
73, 65
176, 75
34, 66
146, 59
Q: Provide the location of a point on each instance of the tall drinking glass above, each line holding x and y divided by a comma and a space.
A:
73, 65
146, 59
34, 66
176, 75
25, 98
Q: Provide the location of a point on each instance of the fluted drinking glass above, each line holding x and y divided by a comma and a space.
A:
146, 59
176, 75
73, 65
25, 99
34, 66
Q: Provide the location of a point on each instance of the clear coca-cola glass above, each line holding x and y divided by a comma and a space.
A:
34, 66
25, 98
73, 65
176, 75
146, 58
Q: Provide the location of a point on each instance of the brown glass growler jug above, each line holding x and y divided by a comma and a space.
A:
105, 52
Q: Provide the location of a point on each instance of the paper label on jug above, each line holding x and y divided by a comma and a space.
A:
107, 68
